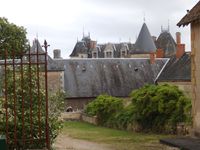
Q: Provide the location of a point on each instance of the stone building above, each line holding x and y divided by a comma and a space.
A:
85, 79
146, 46
193, 18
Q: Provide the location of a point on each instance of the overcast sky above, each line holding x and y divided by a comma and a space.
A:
61, 22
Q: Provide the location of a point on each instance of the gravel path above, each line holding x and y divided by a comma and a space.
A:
64, 142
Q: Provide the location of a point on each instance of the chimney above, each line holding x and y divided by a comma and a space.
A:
160, 53
93, 44
180, 50
178, 38
152, 58
56, 54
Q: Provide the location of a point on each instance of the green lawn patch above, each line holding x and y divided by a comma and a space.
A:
120, 140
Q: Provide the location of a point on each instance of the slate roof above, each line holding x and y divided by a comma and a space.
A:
144, 42
80, 48
117, 77
192, 16
166, 42
176, 69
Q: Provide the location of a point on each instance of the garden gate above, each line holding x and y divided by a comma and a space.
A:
24, 99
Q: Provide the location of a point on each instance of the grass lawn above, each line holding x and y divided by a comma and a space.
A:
119, 140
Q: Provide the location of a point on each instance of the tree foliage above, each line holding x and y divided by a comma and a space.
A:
161, 107
12, 37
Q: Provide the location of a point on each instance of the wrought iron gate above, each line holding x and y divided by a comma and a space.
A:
24, 97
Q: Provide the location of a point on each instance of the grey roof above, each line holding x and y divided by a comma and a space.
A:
80, 48
144, 42
117, 77
166, 42
176, 69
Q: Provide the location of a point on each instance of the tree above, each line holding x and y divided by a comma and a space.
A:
12, 37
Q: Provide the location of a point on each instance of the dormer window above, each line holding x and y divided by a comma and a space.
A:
94, 55
123, 54
109, 54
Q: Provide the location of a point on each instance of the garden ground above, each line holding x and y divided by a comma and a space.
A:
84, 136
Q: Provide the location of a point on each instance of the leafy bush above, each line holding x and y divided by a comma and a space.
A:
56, 107
104, 107
122, 119
160, 107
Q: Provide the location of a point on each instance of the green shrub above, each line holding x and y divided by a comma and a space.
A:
104, 107
160, 107
122, 118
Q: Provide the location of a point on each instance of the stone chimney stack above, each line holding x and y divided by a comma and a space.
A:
160, 53
57, 54
152, 58
93, 44
180, 48
178, 38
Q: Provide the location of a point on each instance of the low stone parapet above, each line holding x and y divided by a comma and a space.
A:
92, 120
71, 116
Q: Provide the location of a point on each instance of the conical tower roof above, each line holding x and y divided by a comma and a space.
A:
144, 43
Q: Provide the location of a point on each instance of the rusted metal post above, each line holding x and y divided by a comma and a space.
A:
14, 98
30, 95
46, 94
22, 95
5, 95
38, 92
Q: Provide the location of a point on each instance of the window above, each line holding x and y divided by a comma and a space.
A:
94, 55
123, 54
109, 55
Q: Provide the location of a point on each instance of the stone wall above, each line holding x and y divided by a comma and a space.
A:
195, 45
92, 120
55, 81
77, 103
71, 116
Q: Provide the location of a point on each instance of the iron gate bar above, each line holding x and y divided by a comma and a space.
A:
38, 89
14, 98
46, 88
22, 94
30, 94
5, 91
